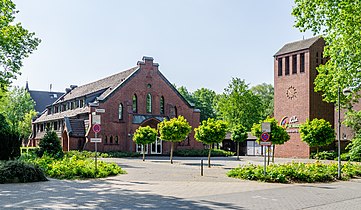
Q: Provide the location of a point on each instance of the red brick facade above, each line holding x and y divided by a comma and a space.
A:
295, 99
117, 129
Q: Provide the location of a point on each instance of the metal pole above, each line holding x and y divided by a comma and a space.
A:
264, 153
96, 149
339, 135
201, 167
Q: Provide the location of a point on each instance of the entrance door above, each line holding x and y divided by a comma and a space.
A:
139, 148
156, 147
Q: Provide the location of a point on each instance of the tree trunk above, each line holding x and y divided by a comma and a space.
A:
171, 152
143, 152
317, 150
237, 150
209, 156
273, 154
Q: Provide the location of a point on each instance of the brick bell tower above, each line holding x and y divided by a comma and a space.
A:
294, 97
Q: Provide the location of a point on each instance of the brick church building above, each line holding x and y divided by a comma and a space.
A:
135, 97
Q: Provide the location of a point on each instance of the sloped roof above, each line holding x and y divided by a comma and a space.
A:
68, 113
44, 98
76, 127
107, 84
298, 45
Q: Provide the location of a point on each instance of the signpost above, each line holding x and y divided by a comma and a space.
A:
265, 137
96, 129
100, 110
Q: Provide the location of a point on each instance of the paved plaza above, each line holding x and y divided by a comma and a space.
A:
156, 184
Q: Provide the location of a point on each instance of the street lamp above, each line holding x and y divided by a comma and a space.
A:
346, 92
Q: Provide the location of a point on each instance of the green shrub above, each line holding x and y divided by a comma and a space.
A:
114, 154
75, 166
50, 145
123, 154
19, 171
296, 172
325, 155
202, 153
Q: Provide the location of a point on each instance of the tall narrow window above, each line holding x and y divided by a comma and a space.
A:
149, 103
175, 111
162, 105
135, 103
111, 140
302, 62
287, 66
279, 66
120, 111
294, 64
116, 140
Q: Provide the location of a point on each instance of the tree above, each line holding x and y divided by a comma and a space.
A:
204, 101
145, 135
9, 142
353, 120
317, 132
209, 132
265, 93
174, 130
18, 108
239, 135
238, 105
16, 43
186, 94
278, 134
338, 22
50, 145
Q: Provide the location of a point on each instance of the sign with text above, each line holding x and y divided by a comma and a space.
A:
100, 110
265, 143
266, 127
97, 140
96, 119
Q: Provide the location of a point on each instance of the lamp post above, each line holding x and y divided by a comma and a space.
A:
345, 91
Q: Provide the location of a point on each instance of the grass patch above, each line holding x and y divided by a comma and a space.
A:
202, 153
296, 172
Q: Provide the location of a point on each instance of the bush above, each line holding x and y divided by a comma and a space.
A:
123, 154
75, 166
114, 154
202, 153
9, 142
19, 171
50, 145
296, 172
325, 155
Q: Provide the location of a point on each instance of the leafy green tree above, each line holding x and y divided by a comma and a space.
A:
353, 120
338, 22
145, 135
186, 94
239, 135
204, 101
210, 132
174, 130
317, 132
18, 108
50, 145
16, 43
265, 93
278, 134
9, 142
238, 105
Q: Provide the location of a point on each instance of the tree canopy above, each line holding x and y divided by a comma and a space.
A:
145, 135
16, 43
338, 22
239, 134
265, 93
317, 132
238, 105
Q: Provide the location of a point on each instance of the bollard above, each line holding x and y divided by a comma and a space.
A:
201, 167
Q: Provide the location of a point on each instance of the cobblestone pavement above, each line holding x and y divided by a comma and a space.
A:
156, 184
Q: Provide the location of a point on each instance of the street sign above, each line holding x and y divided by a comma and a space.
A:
100, 110
265, 143
264, 136
266, 127
96, 119
96, 128
97, 140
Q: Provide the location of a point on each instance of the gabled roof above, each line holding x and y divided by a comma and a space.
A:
297, 46
44, 98
105, 85
68, 113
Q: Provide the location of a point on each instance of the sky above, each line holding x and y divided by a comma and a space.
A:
197, 43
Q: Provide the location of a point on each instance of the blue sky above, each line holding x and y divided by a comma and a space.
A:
198, 43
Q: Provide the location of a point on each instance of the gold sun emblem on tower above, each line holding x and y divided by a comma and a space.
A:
291, 92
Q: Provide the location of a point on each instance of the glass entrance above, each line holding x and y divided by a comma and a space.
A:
156, 147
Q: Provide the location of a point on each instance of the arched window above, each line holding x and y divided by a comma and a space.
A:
116, 140
106, 140
149, 103
120, 111
111, 140
162, 105
135, 103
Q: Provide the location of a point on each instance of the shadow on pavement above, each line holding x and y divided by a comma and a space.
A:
98, 194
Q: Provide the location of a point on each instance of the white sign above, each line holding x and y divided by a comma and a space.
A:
266, 127
100, 110
265, 143
97, 140
96, 119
